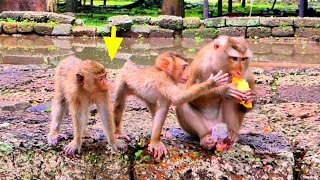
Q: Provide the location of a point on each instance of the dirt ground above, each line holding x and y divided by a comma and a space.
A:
288, 104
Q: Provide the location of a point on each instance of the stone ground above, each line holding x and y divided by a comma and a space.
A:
288, 111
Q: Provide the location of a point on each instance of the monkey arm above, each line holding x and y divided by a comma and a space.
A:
179, 96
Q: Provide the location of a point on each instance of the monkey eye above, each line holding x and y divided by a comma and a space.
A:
244, 59
234, 58
184, 67
101, 78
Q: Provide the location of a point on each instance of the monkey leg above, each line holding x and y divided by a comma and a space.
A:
58, 110
118, 108
79, 113
156, 146
194, 123
106, 118
152, 107
233, 117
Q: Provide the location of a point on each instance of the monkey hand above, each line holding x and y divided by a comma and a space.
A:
219, 79
207, 142
233, 93
70, 149
158, 149
53, 139
250, 96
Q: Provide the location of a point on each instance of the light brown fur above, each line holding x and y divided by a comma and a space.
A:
221, 104
79, 84
157, 87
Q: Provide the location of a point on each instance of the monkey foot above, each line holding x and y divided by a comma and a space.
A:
71, 148
122, 135
158, 149
207, 142
120, 145
53, 140
166, 134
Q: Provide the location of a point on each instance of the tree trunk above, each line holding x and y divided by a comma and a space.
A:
243, 4
219, 7
71, 5
205, 9
21, 5
173, 7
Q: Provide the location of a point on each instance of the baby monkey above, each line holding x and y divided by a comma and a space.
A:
78, 84
157, 87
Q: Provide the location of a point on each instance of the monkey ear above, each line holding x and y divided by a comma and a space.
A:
80, 77
164, 64
216, 45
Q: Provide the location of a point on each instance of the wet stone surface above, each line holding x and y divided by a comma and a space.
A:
289, 148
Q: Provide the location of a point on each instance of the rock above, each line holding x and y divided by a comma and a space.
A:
39, 17
207, 33
122, 22
25, 27
215, 22
141, 19
45, 107
161, 33
15, 15
307, 32
307, 22
282, 31
62, 30
191, 22
139, 31
232, 31
13, 105
276, 21
10, 28
89, 31
79, 22
43, 28
260, 32
170, 22
243, 21
60, 18
104, 30
1, 27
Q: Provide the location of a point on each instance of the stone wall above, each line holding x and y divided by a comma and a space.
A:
53, 24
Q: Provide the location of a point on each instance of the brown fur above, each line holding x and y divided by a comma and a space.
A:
79, 84
156, 85
220, 104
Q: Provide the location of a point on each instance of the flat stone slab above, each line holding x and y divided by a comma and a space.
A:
13, 105
84, 31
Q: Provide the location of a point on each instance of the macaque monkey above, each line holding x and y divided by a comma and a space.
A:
221, 104
78, 84
51, 5
157, 87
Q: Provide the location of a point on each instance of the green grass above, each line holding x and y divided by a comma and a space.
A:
116, 3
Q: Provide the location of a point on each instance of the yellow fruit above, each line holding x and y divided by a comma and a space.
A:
242, 85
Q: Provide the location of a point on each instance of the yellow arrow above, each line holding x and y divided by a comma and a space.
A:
112, 43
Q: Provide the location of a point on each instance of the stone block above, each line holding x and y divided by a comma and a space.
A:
282, 31
307, 32
307, 22
62, 30
161, 33
10, 28
89, 31
141, 19
104, 30
276, 21
191, 22
215, 22
39, 17
122, 22
232, 31
243, 21
43, 28
170, 22
260, 32
15, 15
25, 27
206, 33
60, 18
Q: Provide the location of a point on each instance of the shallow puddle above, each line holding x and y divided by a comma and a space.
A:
33, 49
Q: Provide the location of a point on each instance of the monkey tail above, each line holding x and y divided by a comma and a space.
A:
129, 65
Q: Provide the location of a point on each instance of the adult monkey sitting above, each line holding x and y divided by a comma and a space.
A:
221, 104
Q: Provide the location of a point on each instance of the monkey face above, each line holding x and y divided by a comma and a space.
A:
102, 82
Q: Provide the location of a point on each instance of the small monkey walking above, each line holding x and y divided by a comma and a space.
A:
78, 84
157, 87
